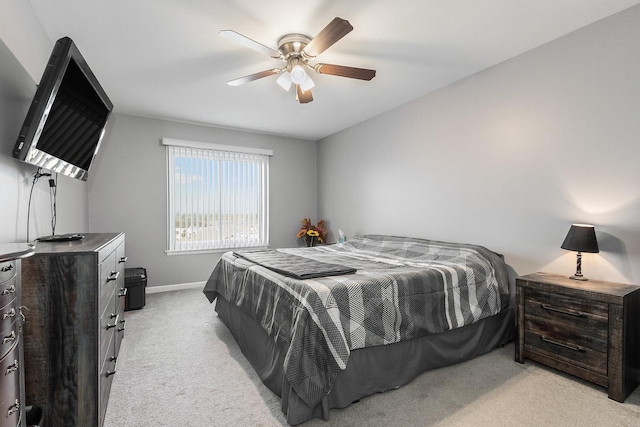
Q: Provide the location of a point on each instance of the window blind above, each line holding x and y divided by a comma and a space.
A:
218, 199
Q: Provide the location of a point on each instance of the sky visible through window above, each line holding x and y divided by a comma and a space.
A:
216, 200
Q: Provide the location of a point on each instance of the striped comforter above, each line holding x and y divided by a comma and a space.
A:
403, 288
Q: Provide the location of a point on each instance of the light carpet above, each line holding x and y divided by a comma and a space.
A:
180, 366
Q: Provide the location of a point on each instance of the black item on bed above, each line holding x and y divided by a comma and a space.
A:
292, 265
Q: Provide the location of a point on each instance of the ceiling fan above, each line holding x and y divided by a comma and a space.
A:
297, 50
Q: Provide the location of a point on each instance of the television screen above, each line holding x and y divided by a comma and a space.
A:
67, 118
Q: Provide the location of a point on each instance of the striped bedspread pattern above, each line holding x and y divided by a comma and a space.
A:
403, 288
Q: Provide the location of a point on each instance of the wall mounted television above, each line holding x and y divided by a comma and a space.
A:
67, 117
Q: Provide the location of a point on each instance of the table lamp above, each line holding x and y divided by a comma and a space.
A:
580, 238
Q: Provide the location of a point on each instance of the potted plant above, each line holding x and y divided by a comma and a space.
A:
313, 234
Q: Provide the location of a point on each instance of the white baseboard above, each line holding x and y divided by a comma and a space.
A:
178, 287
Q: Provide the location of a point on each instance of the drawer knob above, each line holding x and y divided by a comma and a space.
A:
113, 276
10, 313
11, 289
561, 344
9, 338
563, 311
12, 368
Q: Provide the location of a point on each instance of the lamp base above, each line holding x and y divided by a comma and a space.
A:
578, 275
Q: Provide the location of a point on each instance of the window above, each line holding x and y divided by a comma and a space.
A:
218, 196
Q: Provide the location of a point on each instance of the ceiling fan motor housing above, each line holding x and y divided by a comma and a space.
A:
291, 45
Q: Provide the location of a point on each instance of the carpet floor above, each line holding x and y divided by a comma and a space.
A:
180, 366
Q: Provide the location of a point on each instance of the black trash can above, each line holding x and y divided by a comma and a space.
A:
34, 416
135, 280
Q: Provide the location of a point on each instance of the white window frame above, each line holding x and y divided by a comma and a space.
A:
198, 246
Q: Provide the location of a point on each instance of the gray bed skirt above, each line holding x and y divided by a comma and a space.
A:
370, 370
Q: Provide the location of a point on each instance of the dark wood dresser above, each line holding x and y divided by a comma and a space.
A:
74, 294
588, 329
12, 399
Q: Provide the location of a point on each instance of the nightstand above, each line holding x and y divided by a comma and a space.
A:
588, 329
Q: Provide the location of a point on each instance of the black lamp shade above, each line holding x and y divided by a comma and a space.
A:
581, 238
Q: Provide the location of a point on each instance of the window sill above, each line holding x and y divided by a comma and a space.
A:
210, 251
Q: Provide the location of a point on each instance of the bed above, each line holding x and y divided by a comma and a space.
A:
327, 325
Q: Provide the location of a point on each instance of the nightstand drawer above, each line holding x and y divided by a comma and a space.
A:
566, 351
570, 320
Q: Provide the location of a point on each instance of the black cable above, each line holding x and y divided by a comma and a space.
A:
53, 191
36, 176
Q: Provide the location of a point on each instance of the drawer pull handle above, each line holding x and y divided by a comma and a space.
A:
569, 346
122, 259
24, 319
11, 289
9, 338
13, 408
12, 368
563, 311
113, 276
123, 292
10, 313
115, 365
7, 268
115, 323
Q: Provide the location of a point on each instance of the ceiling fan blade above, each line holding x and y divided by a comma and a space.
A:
344, 71
251, 44
252, 77
303, 97
337, 29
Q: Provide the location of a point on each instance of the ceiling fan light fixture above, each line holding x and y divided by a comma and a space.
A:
284, 80
298, 75
307, 84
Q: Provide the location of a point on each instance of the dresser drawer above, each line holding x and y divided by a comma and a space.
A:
107, 371
8, 290
11, 399
9, 332
11, 412
108, 278
9, 336
108, 324
7, 271
10, 373
9, 311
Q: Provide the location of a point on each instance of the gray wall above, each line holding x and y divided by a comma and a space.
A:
128, 191
507, 158
24, 50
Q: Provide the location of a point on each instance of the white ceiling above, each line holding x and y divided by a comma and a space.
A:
164, 58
